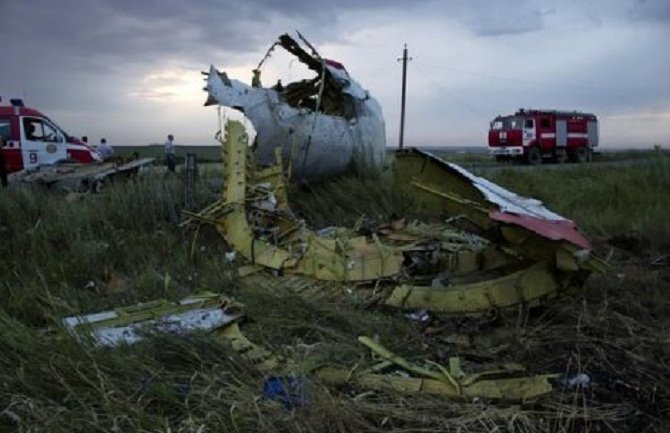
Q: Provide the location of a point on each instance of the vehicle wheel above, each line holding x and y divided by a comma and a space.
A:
582, 155
534, 156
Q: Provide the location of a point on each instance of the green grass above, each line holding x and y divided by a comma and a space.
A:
619, 201
204, 153
127, 241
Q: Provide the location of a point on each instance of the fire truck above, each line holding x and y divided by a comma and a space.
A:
30, 139
536, 135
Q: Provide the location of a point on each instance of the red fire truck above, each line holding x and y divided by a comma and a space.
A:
32, 139
535, 135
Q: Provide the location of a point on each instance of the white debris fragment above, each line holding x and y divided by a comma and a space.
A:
579, 380
422, 316
319, 142
230, 256
507, 200
128, 326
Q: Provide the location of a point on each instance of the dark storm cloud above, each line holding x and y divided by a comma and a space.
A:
93, 29
149, 30
487, 18
109, 57
85, 32
73, 47
651, 10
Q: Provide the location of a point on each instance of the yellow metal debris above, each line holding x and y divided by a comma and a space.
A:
446, 382
501, 266
523, 287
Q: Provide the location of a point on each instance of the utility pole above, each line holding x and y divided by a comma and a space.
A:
404, 91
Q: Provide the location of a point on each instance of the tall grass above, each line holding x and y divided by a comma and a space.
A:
626, 200
93, 252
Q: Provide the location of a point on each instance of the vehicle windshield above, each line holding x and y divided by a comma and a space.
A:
68, 137
506, 123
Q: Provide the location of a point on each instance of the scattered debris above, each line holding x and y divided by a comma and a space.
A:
322, 124
515, 252
579, 380
201, 312
129, 324
504, 383
78, 177
289, 391
519, 252
422, 316
212, 312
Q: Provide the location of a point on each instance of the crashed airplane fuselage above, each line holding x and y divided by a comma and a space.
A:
323, 124
515, 252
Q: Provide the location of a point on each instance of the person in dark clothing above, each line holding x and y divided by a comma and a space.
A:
170, 153
3, 163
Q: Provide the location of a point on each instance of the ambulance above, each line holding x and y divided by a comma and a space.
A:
30, 139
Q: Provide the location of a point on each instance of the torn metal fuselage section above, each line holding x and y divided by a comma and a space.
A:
515, 251
553, 256
323, 124
79, 176
205, 311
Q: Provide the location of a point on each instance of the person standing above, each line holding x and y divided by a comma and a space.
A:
3, 163
105, 150
170, 153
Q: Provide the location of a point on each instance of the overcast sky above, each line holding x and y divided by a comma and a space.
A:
129, 70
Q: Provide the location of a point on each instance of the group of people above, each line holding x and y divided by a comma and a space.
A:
107, 152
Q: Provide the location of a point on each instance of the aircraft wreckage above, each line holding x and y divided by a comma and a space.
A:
514, 252
482, 249
323, 124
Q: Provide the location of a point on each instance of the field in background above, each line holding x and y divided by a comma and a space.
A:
68, 254
204, 153
463, 155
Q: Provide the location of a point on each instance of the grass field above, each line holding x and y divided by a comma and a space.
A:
68, 254
204, 153
213, 154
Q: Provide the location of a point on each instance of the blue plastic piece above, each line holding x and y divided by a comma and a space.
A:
289, 391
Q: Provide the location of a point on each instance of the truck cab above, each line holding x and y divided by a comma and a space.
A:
31, 139
508, 134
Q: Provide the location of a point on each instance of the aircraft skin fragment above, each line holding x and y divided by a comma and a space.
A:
464, 189
523, 287
513, 389
201, 312
448, 382
129, 325
257, 222
320, 141
255, 219
76, 175
209, 312
352, 259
